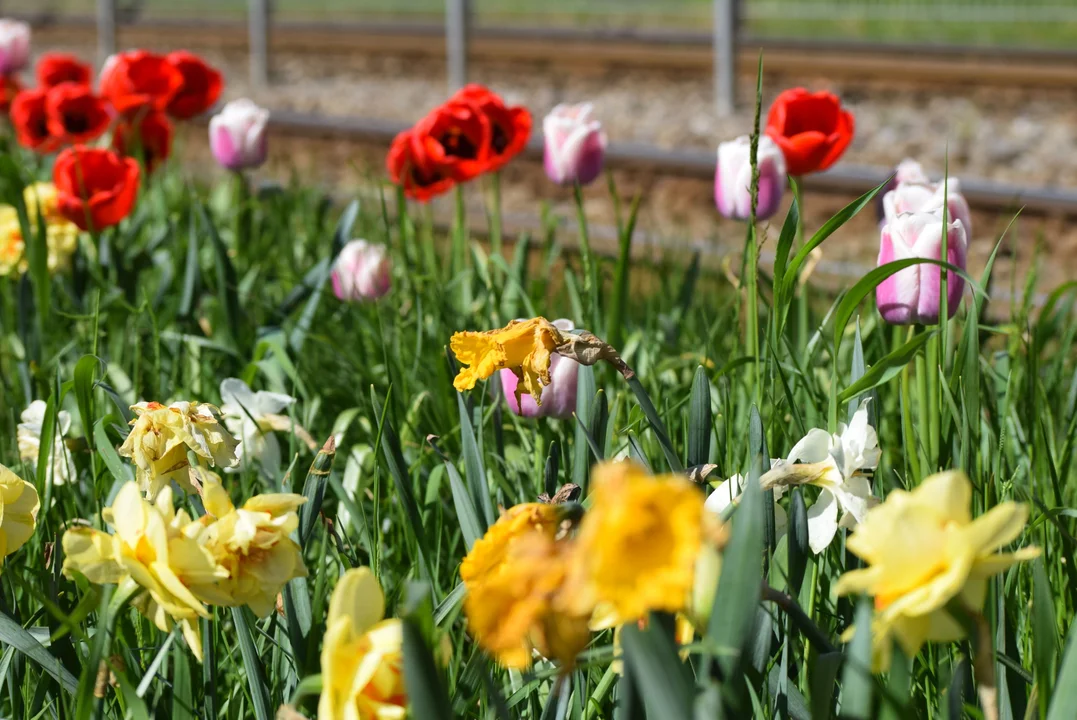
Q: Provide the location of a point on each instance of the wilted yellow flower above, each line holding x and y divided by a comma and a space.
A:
362, 655
251, 543
923, 549
61, 234
161, 435
515, 578
18, 512
523, 346
637, 545
156, 547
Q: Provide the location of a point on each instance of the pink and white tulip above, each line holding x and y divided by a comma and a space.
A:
361, 272
916, 197
558, 398
574, 145
14, 46
237, 135
913, 295
733, 178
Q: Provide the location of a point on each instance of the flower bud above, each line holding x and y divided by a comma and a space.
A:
917, 197
733, 178
237, 135
574, 145
361, 272
14, 46
912, 295
907, 171
558, 398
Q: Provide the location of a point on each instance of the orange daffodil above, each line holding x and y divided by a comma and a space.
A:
523, 346
362, 654
19, 504
924, 550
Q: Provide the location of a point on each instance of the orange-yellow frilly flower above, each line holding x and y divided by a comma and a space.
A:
161, 436
362, 656
515, 578
157, 548
637, 546
523, 346
18, 512
924, 550
251, 543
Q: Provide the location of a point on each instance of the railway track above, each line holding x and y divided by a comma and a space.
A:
587, 48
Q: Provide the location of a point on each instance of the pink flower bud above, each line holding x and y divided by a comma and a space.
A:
361, 272
733, 178
912, 295
14, 46
917, 197
237, 135
558, 398
574, 145
907, 171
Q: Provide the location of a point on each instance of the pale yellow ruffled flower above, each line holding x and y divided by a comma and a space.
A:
19, 504
523, 346
251, 543
157, 548
362, 654
161, 436
61, 234
924, 550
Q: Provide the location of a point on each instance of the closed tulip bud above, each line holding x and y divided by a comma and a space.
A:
907, 171
237, 135
14, 46
558, 398
912, 295
733, 178
361, 272
574, 145
918, 197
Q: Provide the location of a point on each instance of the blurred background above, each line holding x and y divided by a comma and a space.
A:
985, 88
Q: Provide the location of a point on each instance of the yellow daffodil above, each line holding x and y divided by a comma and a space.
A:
251, 543
362, 655
161, 436
488, 553
18, 512
924, 550
523, 346
61, 235
638, 544
156, 547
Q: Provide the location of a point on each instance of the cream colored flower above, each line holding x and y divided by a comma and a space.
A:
28, 436
161, 436
19, 504
253, 417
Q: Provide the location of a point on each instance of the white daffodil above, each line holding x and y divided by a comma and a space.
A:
728, 490
253, 417
28, 436
835, 463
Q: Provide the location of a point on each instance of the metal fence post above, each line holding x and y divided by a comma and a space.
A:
258, 19
725, 55
457, 26
106, 29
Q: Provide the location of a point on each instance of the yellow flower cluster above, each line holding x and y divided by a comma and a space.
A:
19, 504
523, 346
362, 655
924, 551
61, 234
534, 586
162, 435
239, 557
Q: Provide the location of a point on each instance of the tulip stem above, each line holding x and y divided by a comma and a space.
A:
495, 213
911, 451
586, 259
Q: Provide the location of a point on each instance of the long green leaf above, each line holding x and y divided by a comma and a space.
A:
14, 635
252, 664
887, 368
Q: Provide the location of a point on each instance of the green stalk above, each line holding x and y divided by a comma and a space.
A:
751, 324
495, 213
923, 410
241, 201
934, 407
911, 451
590, 291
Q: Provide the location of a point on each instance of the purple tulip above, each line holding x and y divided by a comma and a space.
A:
912, 295
918, 197
574, 145
237, 135
361, 272
558, 398
14, 46
733, 178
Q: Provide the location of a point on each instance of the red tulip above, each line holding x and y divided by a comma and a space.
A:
812, 129
75, 114
54, 68
9, 88
200, 89
30, 118
510, 127
95, 188
139, 80
152, 137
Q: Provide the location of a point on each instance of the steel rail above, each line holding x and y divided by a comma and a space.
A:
845, 179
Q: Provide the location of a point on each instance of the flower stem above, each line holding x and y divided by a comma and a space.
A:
587, 259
